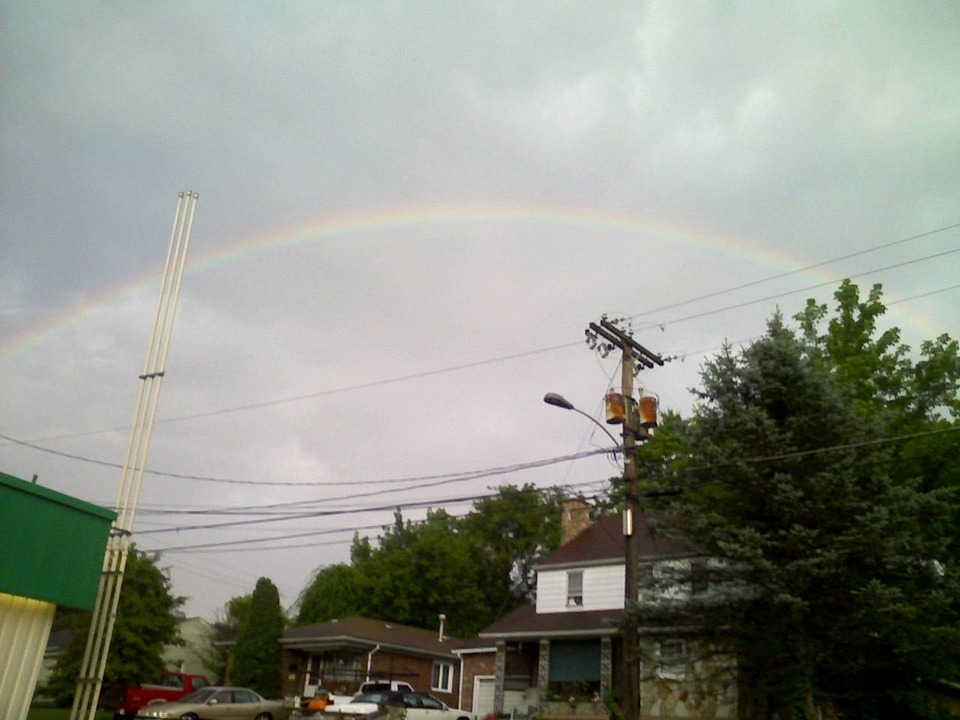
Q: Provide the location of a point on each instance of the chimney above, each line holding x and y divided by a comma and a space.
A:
574, 519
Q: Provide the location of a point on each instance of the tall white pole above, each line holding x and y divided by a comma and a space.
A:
128, 495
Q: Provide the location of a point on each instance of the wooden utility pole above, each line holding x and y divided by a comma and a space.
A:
606, 337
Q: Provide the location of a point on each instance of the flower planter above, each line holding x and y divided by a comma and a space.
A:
565, 709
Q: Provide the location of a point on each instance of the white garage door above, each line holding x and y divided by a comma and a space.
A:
483, 688
483, 692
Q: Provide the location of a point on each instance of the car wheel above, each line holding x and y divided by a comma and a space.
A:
189, 716
264, 716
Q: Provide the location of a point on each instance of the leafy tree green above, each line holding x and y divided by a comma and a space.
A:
420, 570
256, 660
472, 569
226, 629
334, 592
838, 585
511, 531
147, 619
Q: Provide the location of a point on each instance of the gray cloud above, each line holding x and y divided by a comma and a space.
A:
444, 185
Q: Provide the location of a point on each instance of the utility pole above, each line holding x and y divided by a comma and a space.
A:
118, 544
606, 337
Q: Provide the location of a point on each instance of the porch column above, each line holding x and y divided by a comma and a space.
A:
500, 675
606, 667
543, 671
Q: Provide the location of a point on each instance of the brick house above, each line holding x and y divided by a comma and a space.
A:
561, 656
342, 653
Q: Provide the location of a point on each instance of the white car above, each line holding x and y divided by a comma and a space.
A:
419, 706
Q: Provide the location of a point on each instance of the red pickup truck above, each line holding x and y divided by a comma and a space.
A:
126, 701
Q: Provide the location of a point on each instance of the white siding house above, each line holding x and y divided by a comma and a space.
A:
566, 651
602, 589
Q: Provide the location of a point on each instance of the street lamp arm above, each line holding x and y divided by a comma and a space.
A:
603, 427
561, 402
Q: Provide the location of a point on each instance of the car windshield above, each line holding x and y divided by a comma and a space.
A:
198, 696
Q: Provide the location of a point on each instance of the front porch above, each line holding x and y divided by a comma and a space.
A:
565, 678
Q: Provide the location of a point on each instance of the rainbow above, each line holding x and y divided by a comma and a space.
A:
394, 220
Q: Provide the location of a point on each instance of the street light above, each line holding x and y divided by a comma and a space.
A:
557, 400
631, 434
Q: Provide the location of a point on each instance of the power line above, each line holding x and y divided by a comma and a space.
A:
767, 298
805, 268
442, 478
817, 451
514, 356
473, 498
342, 511
679, 356
404, 506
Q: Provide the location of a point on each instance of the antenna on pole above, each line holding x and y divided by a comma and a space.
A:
118, 544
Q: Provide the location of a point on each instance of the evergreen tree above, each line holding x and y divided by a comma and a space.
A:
147, 619
256, 660
835, 586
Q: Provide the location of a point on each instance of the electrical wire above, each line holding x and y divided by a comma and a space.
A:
419, 504
747, 303
474, 498
183, 476
553, 348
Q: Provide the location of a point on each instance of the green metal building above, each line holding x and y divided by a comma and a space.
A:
51, 553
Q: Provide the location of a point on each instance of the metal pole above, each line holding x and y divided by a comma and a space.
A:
118, 544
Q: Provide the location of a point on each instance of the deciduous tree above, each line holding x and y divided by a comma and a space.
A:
147, 618
471, 569
333, 592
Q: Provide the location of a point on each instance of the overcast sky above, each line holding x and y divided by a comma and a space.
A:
409, 212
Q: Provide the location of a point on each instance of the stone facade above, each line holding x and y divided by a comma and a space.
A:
704, 688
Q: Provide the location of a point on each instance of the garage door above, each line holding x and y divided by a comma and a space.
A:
483, 692
483, 689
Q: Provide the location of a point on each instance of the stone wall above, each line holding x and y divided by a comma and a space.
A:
703, 686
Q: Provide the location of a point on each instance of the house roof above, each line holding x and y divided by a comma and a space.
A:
525, 622
603, 542
361, 632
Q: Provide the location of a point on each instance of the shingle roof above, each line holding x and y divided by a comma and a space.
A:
369, 632
526, 622
603, 541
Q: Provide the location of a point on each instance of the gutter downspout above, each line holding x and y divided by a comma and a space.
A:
370, 660
460, 689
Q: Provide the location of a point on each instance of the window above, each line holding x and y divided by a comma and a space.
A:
442, 677
244, 696
672, 659
575, 588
